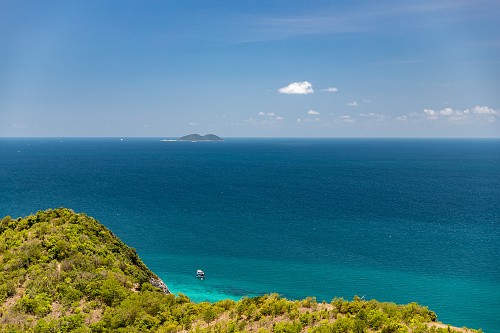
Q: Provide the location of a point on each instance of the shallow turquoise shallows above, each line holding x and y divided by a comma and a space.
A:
389, 219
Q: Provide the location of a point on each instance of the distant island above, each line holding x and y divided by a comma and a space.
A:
197, 137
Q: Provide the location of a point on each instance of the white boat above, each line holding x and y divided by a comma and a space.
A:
200, 274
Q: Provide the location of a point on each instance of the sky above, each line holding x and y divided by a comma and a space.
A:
250, 68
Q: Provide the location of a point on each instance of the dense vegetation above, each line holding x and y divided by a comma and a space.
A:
65, 272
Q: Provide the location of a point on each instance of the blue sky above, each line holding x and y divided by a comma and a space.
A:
250, 68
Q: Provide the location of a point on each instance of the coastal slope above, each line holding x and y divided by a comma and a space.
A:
62, 266
65, 272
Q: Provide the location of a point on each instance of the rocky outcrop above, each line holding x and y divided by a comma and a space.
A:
158, 283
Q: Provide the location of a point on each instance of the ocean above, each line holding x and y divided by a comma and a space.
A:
399, 220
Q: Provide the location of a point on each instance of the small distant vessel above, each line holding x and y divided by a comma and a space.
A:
200, 274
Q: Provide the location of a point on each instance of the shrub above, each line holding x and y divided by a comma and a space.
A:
38, 305
112, 292
71, 322
284, 327
7, 289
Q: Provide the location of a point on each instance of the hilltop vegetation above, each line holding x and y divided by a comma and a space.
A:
65, 272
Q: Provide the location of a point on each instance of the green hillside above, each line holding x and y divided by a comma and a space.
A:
65, 272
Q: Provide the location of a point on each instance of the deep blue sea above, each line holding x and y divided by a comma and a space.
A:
396, 220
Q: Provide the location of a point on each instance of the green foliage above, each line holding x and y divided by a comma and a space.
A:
287, 327
111, 292
7, 289
394, 328
39, 305
65, 272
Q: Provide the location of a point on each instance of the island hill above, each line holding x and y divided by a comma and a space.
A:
197, 137
65, 272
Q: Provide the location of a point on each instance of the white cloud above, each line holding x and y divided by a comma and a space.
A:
313, 112
459, 115
478, 113
278, 118
484, 113
331, 89
270, 114
192, 123
446, 112
301, 88
431, 114
353, 104
483, 110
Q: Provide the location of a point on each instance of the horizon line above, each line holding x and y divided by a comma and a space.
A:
252, 137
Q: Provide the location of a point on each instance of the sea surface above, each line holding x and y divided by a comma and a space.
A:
397, 220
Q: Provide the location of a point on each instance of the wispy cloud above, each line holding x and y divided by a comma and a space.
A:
397, 62
376, 116
330, 89
367, 17
346, 119
268, 28
309, 120
313, 116
17, 125
265, 118
353, 104
301, 88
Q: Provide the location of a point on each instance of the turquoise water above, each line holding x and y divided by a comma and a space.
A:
394, 220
